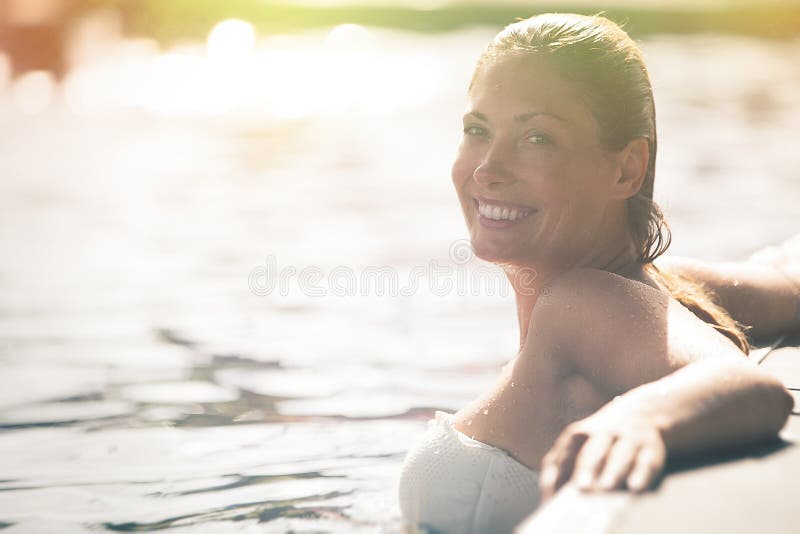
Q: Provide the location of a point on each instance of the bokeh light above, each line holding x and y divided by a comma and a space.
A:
350, 38
33, 92
231, 40
5, 72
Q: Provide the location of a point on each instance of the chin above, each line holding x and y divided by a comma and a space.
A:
497, 252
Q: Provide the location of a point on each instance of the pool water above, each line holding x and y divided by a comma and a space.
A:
239, 322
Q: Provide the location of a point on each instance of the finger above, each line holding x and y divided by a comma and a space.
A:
619, 464
649, 464
591, 460
559, 462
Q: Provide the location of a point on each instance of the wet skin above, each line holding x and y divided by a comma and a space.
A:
604, 326
530, 141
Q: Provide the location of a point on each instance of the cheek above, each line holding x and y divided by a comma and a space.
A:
565, 179
552, 179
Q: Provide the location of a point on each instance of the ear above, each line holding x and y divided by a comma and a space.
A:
632, 168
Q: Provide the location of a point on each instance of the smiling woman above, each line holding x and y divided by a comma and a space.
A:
555, 176
528, 137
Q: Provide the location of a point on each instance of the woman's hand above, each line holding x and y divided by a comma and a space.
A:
705, 405
611, 449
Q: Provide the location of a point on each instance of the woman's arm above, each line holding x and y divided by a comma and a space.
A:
763, 292
621, 334
705, 405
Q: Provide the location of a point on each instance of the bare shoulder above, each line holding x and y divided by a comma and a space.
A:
620, 332
596, 282
601, 295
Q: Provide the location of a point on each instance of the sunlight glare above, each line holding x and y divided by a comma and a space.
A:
231, 40
182, 84
33, 92
85, 90
349, 37
5, 72
119, 80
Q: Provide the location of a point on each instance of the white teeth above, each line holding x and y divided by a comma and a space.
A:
498, 213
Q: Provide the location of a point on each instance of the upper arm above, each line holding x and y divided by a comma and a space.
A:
755, 294
620, 333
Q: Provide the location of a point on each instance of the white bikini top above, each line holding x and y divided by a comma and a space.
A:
453, 483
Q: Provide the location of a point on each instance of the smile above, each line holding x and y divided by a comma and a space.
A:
498, 212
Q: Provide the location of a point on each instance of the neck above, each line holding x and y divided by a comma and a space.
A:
616, 254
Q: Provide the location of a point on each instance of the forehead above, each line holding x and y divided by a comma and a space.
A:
528, 82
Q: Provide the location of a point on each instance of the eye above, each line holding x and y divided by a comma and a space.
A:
475, 131
538, 139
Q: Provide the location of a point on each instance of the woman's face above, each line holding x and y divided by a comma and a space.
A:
530, 173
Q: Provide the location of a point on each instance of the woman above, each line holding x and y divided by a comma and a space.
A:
555, 177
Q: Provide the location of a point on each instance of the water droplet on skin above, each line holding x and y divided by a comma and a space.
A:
512, 384
485, 412
469, 422
736, 283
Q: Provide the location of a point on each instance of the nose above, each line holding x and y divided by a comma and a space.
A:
493, 169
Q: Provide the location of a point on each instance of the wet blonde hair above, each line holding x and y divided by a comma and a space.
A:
607, 69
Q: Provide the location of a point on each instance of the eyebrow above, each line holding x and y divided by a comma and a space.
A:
522, 117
